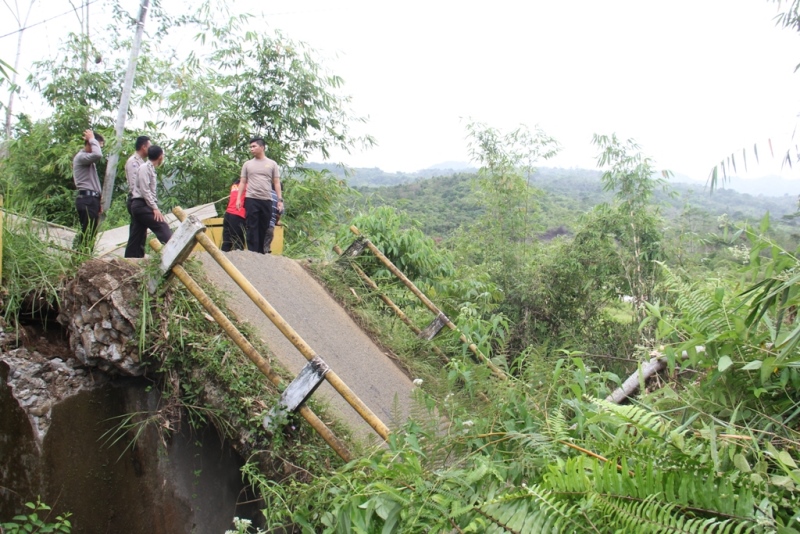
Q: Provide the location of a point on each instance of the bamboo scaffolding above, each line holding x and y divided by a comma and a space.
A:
286, 329
394, 307
250, 351
430, 305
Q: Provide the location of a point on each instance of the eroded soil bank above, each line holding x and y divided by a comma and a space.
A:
82, 426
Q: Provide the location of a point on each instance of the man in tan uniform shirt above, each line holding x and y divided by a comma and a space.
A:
260, 176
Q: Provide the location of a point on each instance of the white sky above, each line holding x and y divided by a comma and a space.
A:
691, 80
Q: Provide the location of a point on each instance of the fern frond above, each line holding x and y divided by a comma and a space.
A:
531, 510
557, 427
653, 516
645, 421
703, 492
708, 316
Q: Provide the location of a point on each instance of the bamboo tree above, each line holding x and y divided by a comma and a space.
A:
633, 221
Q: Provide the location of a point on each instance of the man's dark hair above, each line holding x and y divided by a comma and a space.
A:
141, 141
154, 152
100, 138
259, 140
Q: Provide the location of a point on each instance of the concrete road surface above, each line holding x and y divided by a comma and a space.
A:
326, 327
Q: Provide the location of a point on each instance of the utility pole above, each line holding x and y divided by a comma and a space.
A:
21, 23
87, 44
124, 101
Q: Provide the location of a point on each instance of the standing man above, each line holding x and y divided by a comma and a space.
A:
137, 233
260, 176
144, 205
87, 182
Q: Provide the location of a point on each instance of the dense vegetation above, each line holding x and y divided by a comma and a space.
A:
530, 264
443, 202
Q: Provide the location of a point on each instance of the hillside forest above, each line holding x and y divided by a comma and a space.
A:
569, 281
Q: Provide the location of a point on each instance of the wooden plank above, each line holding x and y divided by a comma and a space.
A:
177, 249
356, 248
180, 244
296, 394
435, 327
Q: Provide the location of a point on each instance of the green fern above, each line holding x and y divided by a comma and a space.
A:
531, 510
652, 516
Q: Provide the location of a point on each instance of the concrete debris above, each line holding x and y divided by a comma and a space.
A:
99, 309
39, 382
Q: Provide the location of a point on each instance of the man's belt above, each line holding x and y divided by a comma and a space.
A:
88, 193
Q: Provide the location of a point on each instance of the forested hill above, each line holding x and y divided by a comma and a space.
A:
442, 200
375, 177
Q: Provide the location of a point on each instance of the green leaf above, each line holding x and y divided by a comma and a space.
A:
766, 369
392, 518
783, 481
786, 459
753, 366
724, 363
741, 463
764, 224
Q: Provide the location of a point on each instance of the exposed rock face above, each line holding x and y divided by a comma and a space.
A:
39, 382
99, 308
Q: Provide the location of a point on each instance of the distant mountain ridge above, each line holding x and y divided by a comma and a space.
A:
375, 177
770, 186
445, 202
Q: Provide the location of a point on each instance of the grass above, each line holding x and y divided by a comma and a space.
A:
620, 312
33, 270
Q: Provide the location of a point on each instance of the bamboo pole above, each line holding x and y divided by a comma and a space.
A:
122, 112
394, 307
656, 364
286, 329
430, 305
253, 354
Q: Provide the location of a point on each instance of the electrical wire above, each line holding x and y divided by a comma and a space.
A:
45, 20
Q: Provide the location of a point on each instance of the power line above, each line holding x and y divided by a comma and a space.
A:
45, 20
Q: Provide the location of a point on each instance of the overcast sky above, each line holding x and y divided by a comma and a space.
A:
691, 80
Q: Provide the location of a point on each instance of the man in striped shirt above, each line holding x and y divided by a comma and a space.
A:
276, 216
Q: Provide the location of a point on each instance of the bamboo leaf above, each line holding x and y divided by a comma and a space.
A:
753, 366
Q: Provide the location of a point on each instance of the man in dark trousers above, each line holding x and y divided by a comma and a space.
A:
260, 176
87, 182
137, 232
144, 206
